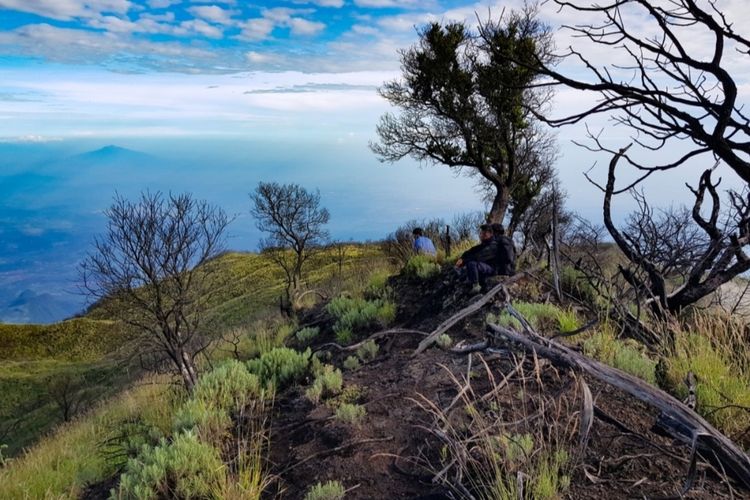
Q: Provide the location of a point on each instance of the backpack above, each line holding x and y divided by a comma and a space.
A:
506, 256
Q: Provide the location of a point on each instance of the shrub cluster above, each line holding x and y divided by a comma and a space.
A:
421, 267
280, 366
328, 382
331, 490
368, 351
306, 335
353, 315
350, 413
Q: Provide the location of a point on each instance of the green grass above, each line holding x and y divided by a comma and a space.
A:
61, 465
355, 315
544, 318
330, 490
422, 267
714, 347
624, 354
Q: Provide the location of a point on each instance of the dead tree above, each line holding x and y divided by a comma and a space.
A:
149, 270
294, 220
659, 250
661, 85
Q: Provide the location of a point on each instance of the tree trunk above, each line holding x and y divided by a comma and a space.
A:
187, 371
499, 205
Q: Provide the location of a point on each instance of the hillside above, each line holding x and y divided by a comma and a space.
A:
272, 420
93, 352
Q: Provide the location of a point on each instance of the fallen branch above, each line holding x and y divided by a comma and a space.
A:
374, 336
466, 311
709, 441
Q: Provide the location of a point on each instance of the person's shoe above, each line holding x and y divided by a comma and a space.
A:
475, 288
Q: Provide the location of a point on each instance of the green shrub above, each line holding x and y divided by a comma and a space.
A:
350, 413
541, 317
368, 351
227, 386
281, 366
210, 422
343, 335
576, 284
723, 383
306, 335
183, 468
422, 267
627, 355
351, 363
327, 383
444, 341
331, 490
353, 315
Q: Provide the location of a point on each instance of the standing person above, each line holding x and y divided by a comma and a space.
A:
480, 260
423, 244
506, 251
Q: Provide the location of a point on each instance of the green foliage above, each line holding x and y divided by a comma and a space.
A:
368, 351
353, 315
62, 464
228, 385
377, 284
344, 335
351, 363
307, 334
421, 267
542, 317
576, 284
328, 382
182, 468
350, 413
627, 355
331, 490
444, 341
281, 366
714, 349
209, 421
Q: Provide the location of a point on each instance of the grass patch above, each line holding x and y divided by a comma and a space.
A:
542, 317
330, 490
421, 267
328, 382
624, 354
714, 348
353, 315
281, 366
368, 351
350, 413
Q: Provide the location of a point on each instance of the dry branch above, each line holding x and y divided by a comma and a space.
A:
467, 311
709, 441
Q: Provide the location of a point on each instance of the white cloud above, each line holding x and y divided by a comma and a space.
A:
199, 27
31, 138
377, 4
213, 13
257, 58
162, 4
256, 29
67, 9
322, 3
304, 27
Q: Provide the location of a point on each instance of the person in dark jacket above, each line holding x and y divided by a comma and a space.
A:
506, 251
480, 260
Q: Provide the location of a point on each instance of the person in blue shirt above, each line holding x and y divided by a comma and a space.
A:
423, 244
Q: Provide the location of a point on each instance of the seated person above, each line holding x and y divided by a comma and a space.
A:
480, 260
423, 244
506, 251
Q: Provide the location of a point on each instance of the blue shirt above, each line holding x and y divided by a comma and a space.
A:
423, 244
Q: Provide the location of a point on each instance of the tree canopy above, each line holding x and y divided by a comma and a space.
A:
467, 101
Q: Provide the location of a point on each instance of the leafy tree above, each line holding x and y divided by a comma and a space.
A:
294, 220
148, 270
466, 104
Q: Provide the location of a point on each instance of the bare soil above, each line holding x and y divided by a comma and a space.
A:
395, 452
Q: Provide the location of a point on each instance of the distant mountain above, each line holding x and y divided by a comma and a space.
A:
112, 156
31, 307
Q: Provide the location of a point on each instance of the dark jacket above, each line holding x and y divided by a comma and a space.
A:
506, 256
485, 252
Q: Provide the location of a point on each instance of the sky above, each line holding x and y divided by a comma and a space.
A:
223, 93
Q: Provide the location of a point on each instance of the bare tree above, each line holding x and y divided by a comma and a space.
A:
465, 104
705, 255
294, 221
680, 99
668, 90
148, 270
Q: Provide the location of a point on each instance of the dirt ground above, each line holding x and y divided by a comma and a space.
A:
396, 451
